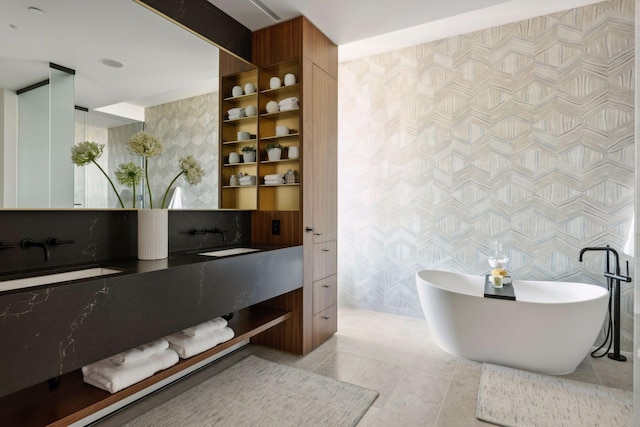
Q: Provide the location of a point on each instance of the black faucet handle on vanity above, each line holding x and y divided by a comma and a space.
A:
4, 245
54, 241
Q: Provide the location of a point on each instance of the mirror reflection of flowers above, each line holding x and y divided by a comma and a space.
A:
147, 146
130, 175
87, 152
192, 171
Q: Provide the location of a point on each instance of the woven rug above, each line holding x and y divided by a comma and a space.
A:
255, 392
516, 398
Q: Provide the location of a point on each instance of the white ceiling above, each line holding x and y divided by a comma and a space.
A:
164, 62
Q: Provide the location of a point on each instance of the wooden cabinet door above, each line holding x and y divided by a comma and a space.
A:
325, 293
325, 156
325, 260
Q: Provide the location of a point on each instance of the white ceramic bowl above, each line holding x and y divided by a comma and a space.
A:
243, 136
234, 158
289, 79
282, 130
275, 83
250, 110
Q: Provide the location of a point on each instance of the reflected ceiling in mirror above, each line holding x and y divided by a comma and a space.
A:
162, 63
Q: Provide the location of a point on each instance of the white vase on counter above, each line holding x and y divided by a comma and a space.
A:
153, 234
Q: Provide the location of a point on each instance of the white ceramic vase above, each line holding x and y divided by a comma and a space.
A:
249, 156
293, 152
153, 234
274, 154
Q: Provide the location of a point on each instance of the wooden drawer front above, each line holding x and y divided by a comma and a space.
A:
325, 259
325, 324
325, 293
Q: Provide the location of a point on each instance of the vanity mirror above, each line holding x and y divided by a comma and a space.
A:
130, 60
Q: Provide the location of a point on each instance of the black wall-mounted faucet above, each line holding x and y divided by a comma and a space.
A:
29, 243
216, 230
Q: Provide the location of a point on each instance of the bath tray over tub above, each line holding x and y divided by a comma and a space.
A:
506, 292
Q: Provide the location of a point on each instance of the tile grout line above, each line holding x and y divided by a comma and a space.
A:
447, 393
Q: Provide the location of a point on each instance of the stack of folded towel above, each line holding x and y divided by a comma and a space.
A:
124, 369
288, 104
247, 180
236, 113
274, 179
195, 340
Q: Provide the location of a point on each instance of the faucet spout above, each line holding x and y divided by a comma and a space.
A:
28, 243
607, 249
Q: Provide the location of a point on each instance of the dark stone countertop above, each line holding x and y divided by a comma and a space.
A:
50, 330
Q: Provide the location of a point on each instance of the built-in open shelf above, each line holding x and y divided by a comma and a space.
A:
75, 400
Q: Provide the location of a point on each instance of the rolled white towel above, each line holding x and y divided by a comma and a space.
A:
288, 101
238, 110
187, 346
140, 352
274, 176
289, 107
205, 327
274, 181
112, 377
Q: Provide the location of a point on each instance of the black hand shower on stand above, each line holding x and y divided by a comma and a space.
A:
613, 284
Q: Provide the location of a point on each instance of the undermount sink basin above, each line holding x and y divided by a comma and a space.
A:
227, 252
28, 282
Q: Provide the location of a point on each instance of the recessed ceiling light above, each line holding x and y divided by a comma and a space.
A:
35, 10
112, 63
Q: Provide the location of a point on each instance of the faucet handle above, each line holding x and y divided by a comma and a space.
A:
53, 241
4, 245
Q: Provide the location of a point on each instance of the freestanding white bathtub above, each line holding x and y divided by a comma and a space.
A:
550, 328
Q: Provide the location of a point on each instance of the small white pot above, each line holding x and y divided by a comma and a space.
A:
237, 91
249, 156
293, 152
275, 83
234, 158
274, 154
289, 79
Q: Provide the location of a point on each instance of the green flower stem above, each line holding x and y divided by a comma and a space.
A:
134, 195
146, 177
166, 193
110, 182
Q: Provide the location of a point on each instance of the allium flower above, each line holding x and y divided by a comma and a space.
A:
145, 145
192, 171
87, 152
130, 175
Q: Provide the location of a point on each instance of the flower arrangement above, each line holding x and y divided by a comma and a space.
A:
131, 175
248, 148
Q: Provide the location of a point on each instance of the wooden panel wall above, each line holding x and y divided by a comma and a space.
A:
229, 64
278, 43
290, 227
286, 336
319, 48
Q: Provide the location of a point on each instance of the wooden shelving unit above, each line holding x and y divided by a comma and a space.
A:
230, 196
75, 400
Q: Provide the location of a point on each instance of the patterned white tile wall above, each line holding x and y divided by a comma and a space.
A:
187, 126
522, 133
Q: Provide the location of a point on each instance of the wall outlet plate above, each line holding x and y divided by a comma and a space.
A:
275, 227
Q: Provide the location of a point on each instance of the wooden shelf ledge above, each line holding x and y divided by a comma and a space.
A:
75, 400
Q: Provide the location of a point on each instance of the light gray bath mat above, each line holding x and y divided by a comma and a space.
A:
516, 398
255, 392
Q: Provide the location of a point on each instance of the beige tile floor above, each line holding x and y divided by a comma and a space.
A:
419, 384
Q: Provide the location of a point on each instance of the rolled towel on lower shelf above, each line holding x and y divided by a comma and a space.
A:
140, 352
187, 346
113, 377
205, 327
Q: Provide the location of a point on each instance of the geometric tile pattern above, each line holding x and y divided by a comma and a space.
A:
187, 126
522, 133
